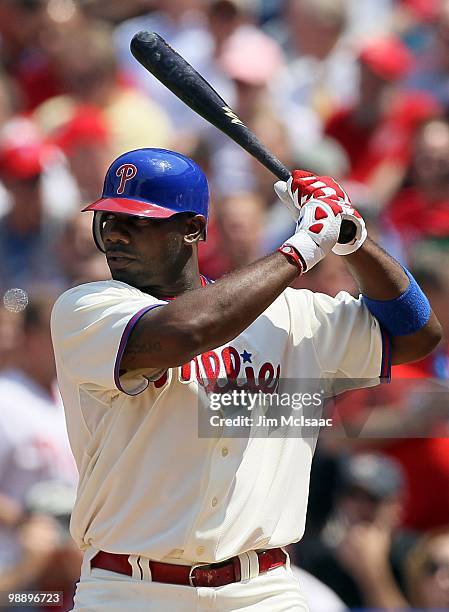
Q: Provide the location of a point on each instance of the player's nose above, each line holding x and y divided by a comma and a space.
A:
115, 230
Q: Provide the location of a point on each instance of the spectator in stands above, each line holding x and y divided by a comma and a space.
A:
33, 437
376, 131
321, 71
88, 67
428, 572
25, 54
227, 17
38, 539
8, 99
352, 553
251, 60
239, 223
27, 232
273, 132
50, 561
8, 105
183, 24
370, 17
80, 260
407, 420
413, 21
423, 407
421, 209
116, 10
86, 142
432, 72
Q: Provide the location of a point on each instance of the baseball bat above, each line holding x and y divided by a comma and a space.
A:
156, 55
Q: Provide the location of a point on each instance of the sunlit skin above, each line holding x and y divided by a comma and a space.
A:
157, 256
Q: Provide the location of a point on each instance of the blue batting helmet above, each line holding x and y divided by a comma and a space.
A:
154, 183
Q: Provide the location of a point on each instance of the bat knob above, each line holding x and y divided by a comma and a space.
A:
348, 231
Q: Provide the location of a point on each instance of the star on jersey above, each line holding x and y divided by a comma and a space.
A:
246, 356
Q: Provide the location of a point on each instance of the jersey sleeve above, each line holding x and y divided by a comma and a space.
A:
90, 327
348, 341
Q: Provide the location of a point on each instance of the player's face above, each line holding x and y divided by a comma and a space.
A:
146, 253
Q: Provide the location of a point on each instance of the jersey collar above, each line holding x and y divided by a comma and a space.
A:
204, 281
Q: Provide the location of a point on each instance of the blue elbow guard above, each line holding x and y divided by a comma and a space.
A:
404, 315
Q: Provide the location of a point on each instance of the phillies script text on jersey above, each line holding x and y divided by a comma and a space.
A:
224, 368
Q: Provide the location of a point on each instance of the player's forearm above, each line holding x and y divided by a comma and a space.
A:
379, 276
222, 310
203, 319
382, 278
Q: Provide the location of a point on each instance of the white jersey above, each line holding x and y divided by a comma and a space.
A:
149, 485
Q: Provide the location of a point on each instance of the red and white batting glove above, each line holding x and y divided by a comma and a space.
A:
316, 233
302, 186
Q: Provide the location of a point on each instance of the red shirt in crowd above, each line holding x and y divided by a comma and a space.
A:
424, 460
416, 217
387, 139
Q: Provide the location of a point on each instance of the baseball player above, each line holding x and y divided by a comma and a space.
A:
169, 520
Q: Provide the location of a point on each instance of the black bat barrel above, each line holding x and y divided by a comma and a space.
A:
156, 55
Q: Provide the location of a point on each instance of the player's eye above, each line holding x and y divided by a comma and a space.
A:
126, 220
106, 216
141, 221
103, 218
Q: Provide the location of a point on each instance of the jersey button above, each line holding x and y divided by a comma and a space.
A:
214, 502
224, 451
200, 550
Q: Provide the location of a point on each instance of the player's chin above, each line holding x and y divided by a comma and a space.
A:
124, 276
132, 277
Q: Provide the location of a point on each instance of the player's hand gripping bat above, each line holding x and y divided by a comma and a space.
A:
189, 86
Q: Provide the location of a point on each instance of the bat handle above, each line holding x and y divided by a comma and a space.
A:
347, 229
281, 171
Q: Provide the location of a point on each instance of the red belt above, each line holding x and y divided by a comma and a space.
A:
213, 575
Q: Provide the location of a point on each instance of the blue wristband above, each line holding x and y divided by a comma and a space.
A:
404, 315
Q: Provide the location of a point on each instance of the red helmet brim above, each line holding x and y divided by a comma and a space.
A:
127, 206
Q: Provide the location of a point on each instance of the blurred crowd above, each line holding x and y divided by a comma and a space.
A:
355, 89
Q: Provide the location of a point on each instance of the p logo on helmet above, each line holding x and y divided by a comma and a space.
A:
126, 172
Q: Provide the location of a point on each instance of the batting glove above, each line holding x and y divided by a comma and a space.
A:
316, 233
302, 186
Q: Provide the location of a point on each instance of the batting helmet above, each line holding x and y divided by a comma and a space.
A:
154, 183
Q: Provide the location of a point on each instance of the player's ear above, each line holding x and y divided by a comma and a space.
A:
195, 229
